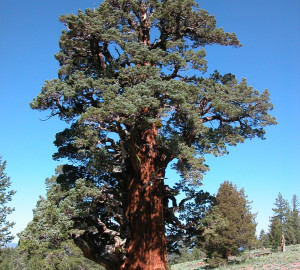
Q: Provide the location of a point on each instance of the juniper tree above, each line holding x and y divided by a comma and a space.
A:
5, 197
133, 87
211, 240
234, 206
229, 226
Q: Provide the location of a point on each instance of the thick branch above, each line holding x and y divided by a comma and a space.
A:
221, 119
100, 255
174, 73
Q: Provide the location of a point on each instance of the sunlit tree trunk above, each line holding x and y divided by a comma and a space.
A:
146, 248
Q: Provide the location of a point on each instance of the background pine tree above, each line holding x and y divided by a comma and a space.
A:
293, 221
5, 197
286, 219
275, 233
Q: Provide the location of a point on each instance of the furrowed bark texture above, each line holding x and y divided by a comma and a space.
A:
146, 248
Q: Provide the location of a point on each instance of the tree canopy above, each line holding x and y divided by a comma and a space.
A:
133, 87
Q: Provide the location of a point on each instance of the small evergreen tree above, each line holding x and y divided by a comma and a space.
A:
282, 211
294, 221
275, 233
212, 242
229, 226
234, 206
5, 197
288, 217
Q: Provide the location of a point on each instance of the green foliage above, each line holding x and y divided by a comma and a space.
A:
214, 224
125, 70
10, 259
70, 259
229, 226
191, 211
281, 211
185, 254
275, 234
5, 197
111, 94
7, 256
263, 239
46, 242
293, 223
233, 206
285, 221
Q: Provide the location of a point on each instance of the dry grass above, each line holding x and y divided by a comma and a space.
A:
250, 261
279, 260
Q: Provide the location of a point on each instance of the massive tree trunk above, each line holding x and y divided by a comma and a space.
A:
144, 210
146, 247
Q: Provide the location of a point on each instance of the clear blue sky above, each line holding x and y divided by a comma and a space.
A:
270, 58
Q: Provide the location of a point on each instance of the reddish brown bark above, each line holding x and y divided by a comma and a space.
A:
146, 248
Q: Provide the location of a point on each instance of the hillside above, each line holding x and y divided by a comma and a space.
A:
287, 260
